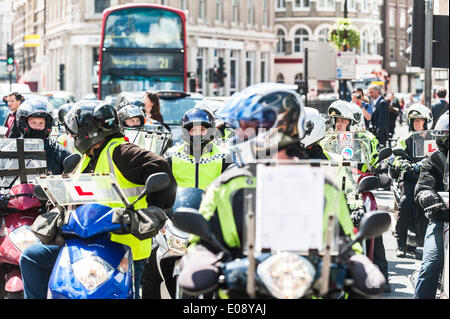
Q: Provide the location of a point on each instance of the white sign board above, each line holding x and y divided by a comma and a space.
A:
345, 65
321, 61
289, 208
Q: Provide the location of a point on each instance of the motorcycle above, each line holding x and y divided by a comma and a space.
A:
159, 277
352, 151
18, 208
278, 275
416, 230
89, 265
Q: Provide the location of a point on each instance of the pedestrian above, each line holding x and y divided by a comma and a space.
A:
380, 115
97, 134
14, 101
440, 106
394, 111
410, 215
152, 108
430, 182
359, 99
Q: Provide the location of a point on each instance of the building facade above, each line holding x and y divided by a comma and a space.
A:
297, 21
240, 32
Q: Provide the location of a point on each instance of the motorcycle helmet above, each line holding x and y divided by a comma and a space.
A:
358, 118
314, 127
34, 107
342, 109
269, 117
62, 111
90, 121
441, 132
197, 116
127, 111
419, 111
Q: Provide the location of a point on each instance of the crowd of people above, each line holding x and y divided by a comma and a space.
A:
200, 162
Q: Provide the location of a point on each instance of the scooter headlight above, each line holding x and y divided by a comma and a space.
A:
22, 237
92, 271
177, 241
286, 275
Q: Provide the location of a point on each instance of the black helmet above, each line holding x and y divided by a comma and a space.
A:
90, 122
34, 107
198, 116
62, 111
127, 111
441, 132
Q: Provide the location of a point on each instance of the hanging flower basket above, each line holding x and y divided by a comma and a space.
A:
344, 35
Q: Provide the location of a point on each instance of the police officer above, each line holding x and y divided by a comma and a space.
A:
314, 133
348, 118
271, 121
419, 118
198, 161
98, 136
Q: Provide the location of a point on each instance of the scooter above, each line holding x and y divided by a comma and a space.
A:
89, 265
18, 210
20, 160
278, 275
159, 277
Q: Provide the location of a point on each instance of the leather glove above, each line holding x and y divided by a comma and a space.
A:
434, 207
428, 198
143, 223
357, 215
406, 166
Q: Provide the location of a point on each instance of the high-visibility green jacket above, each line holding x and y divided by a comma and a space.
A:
191, 173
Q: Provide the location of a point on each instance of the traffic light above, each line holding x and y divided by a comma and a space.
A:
416, 34
9, 53
61, 76
221, 72
213, 75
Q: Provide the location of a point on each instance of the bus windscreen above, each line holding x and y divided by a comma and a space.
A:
143, 28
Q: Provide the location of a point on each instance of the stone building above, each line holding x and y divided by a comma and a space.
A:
297, 21
241, 32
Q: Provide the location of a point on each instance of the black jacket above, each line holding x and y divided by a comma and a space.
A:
55, 154
437, 109
431, 176
136, 164
380, 120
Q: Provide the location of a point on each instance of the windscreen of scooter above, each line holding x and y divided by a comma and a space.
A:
424, 143
347, 146
21, 160
154, 138
81, 189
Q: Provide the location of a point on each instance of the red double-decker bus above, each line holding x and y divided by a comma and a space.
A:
143, 46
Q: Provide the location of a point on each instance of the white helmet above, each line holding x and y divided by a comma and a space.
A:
315, 127
342, 109
419, 111
358, 116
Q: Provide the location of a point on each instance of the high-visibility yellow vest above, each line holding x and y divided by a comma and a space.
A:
140, 248
189, 173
